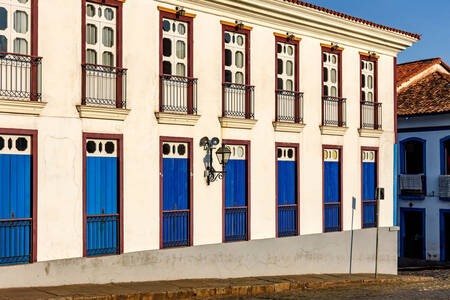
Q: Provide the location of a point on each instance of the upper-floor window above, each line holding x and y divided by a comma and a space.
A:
286, 63
175, 50
368, 80
15, 26
371, 109
331, 78
413, 157
235, 53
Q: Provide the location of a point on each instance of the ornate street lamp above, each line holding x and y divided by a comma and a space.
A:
223, 155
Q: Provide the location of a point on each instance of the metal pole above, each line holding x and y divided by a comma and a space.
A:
378, 227
351, 240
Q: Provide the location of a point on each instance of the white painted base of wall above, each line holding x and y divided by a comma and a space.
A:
308, 254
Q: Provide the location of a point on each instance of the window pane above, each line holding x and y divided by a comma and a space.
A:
333, 59
363, 96
239, 77
333, 75
325, 90
369, 82
279, 48
167, 47
20, 21
167, 68
362, 65
333, 91
181, 49
280, 66
370, 66
108, 37
20, 46
23, 1
228, 57
3, 44
91, 57
414, 157
109, 14
363, 80
166, 25
181, 69
228, 76
90, 10
227, 37
279, 83
108, 59
370, 96
289, 85
290, 50
325, 74
240, 40
289, 68
324, 57
91, 34
239, 59
99, 12
3, 18
181, 29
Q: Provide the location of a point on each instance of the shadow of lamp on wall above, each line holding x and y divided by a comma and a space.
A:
223, 155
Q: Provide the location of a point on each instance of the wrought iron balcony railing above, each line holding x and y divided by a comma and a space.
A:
104, 86
238, 101
371, 114
20, 77
334, 111
176, 228
236, 224
332, 216
102, 234
178, 94
289, 106
287, 220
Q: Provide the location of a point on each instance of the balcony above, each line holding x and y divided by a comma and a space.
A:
412, 186
444, 187
238, 106
104, 91
178, 100
371, 119
334, 111
20, 84
288, 111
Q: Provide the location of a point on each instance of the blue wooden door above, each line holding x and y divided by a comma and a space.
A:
369, 182
332, 190
175, 191
15, 199
236, 206
287, 191
102, 202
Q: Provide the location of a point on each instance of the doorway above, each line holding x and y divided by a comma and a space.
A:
445, 234
413, 233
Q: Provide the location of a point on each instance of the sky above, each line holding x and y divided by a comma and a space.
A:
429, 18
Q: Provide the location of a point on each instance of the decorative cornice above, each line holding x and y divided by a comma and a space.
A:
176, 119
288, 127
369, 55
105, 113
234, 24
285, 36
332, 47
372, 133
174, 11
333, 130
18, 107
237, 123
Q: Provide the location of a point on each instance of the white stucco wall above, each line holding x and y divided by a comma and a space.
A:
60, 128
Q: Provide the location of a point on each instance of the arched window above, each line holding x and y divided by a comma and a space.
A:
412, 156
445, 155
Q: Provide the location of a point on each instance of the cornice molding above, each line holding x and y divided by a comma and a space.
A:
174, 11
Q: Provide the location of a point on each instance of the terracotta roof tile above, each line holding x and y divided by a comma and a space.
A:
430, 94
351, 18
406, 71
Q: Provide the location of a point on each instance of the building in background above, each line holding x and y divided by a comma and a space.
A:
424, 159
102, 118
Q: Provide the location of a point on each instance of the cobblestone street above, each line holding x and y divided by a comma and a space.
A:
438, 289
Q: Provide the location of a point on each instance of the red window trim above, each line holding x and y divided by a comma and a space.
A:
341, 163
34, 27
395, 101
245, 32
247, 145
297, 182
190, 46
339, 53
119, 138
189, 141
376, 149
375, 75
34, 163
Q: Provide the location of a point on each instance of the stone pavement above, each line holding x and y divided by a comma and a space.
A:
202, 288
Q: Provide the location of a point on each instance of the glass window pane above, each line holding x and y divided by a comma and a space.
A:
166, 25
239, 59
108, 59
325, 74
181, 69
167, 68
279, 48
181, 49
228, 57
99, 12
363, 96
3, 44
108, 37
362, 65
333, 75
91, 34
289, 85
20, 46
279, 83
91, 57
290, 50
109, 14
240, 40
227, 37
181, 29
23, 1
370, 66
289, 68
280, 66
239, 77
90, 10
167, 47
20, 21
228, 76
363, 81
333, 91
3, 18
369, 82
325, 90
333, 59
370, 96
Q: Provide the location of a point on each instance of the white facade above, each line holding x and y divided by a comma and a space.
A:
60, 127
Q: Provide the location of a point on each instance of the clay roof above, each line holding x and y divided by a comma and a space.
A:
351, 18
430, 94
408, 70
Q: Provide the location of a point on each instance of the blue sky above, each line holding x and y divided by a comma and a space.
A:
430, 18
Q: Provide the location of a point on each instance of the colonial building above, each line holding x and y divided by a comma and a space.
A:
424, 159
105, 105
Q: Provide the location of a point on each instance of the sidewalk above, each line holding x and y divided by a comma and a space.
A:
201, 288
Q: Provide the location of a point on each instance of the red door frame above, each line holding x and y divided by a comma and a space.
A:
376, 149
119, 138
189, 141
247, 145
341, 181
297, 183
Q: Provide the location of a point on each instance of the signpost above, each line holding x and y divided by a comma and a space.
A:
379, 195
